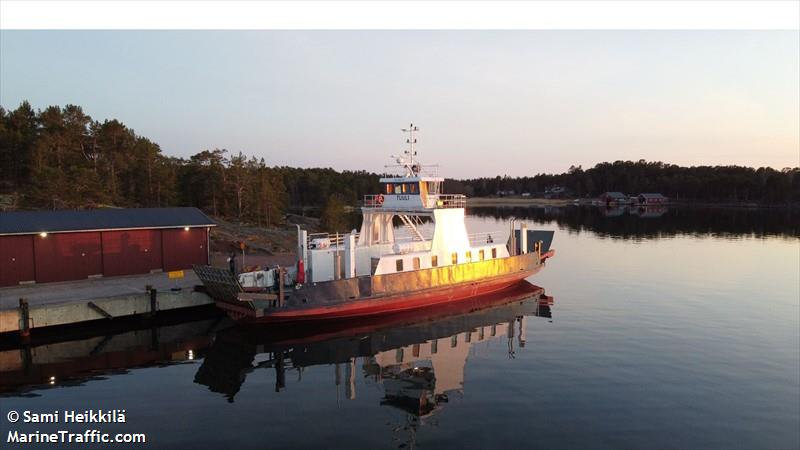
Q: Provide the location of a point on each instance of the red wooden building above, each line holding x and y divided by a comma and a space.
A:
46, 246
651, 199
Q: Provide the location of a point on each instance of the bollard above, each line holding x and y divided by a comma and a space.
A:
24, 320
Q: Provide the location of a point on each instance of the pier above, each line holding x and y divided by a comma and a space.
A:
35, 306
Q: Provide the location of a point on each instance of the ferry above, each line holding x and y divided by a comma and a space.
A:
430, 260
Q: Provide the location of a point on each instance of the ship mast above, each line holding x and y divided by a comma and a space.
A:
408, 160
410, 153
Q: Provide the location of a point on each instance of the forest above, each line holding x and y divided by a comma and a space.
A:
59, 157
729, 184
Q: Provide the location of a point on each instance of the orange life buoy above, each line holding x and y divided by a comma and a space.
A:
379, 199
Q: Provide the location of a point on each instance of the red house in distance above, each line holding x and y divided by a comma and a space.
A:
48, 246
651, 199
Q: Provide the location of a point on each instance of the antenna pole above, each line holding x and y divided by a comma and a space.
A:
412, 139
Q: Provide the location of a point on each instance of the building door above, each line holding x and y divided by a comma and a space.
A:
130, 252
183, 248
16, 260
67, 256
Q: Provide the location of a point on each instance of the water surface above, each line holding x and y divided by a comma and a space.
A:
658, 329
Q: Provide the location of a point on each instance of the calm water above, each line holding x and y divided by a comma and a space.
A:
661, 329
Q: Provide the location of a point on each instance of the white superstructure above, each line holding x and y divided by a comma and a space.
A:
435, 231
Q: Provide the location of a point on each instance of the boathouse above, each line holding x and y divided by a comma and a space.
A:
609, 198
651, 199
47, 246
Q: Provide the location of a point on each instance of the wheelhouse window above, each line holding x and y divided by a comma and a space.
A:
415, 263
412, 187
399, 265
481, 255
434, 261
494, 253
398, 188
389, 188
454, 257
469, 256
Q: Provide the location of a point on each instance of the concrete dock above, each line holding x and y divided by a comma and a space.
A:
73, 302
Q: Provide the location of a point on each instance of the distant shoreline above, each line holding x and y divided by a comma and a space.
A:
518, 201
558, 202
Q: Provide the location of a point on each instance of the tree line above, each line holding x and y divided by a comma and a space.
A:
61, 158
697, 183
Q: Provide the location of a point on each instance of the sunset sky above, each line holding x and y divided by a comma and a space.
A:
486, 102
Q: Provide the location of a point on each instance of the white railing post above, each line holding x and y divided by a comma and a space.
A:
350, 256
523, 239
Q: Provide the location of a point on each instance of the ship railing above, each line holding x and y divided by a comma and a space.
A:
373, 200
427, 170
433, 201
431, 170
331, 240
336, 240
450, 201
484, 238
426, 236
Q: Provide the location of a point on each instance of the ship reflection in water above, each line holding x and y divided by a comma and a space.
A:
418, 359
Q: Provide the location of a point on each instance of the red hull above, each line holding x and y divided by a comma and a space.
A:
288, 333
383, 305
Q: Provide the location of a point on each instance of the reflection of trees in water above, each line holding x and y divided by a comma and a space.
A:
631, 222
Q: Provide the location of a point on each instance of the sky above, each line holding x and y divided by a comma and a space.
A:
487, 103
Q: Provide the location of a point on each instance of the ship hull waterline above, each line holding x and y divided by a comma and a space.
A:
282, 335
385, 304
